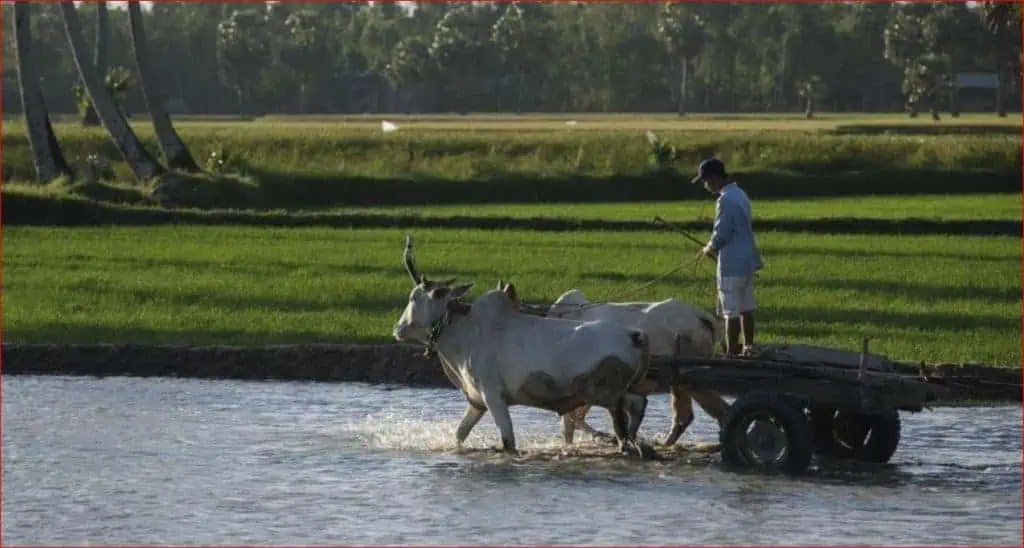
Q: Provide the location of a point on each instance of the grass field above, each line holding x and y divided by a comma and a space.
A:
932, 297
920, 298
595, 121
484, 148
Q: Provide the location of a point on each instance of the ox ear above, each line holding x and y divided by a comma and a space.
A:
510, 292
438, 292
461, 290
456, 307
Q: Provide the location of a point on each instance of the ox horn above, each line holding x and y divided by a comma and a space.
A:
410, 265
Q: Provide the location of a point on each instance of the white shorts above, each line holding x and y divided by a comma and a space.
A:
736, 295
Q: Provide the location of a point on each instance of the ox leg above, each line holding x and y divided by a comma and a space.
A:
469, 420
502, 419
620, 423
580, 418
636, 408
712, 404
568, 427
597, 434
682, 414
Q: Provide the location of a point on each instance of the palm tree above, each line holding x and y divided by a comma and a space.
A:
681, 30
47, 156
1003, 21
99, 56
142, 164
176, 154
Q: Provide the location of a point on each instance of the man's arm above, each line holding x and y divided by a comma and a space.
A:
723, 228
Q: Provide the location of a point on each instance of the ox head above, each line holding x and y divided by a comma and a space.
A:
429, 302
510, 293
568, 303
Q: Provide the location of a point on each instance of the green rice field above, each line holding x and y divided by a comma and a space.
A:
932, 298
942, 292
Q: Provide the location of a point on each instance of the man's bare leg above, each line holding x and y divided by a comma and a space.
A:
734, 327
747, 319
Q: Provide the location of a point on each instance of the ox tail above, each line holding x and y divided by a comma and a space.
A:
683, 341
642, 341
716, 326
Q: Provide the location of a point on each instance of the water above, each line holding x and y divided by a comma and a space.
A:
144, 461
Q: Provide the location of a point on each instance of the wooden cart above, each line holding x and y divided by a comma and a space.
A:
795, 401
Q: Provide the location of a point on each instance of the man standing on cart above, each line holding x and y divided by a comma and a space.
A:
735, 246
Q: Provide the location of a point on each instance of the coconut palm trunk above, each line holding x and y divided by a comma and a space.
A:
99, 56
684, 75
142, 164
46, 153
176, 154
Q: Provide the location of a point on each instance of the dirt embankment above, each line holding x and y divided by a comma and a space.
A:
380, 364
383, 364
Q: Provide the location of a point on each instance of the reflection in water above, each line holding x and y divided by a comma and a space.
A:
187, 461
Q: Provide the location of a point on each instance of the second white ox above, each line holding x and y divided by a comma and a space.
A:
675, 328
499, 357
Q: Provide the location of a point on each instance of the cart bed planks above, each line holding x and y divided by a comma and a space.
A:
812, 383
794, 402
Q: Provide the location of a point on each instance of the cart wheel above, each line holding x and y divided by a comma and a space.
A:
765, 432
846, 434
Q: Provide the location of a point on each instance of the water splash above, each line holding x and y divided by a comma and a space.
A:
398, 432
403, 432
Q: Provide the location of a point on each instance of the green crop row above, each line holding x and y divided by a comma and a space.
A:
932, 298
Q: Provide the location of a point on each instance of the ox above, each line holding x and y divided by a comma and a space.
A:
499, 357
675, 328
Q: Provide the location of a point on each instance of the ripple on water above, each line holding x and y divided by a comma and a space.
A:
188, 461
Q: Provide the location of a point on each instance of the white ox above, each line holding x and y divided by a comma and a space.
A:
675, 328
499, 357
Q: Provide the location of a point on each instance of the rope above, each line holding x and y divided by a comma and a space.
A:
636, 289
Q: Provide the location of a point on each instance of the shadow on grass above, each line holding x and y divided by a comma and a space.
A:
212, 300
291, 191
896, 289
902, 289
71, 333
260, 268
935, 129
794, 251
32, 210
919, 320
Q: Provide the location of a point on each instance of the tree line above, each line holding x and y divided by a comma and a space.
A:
289, 57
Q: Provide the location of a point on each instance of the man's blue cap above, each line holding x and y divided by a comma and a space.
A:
711, 166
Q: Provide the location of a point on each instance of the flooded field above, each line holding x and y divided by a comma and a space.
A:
147, 461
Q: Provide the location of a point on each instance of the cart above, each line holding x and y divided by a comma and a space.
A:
796, 401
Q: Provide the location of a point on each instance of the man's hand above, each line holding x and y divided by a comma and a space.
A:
708, 251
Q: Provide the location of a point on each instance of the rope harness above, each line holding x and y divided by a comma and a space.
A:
435, 331
434, 334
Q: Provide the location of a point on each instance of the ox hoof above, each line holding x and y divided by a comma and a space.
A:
505, 450
638, 449
647, 452
603, 437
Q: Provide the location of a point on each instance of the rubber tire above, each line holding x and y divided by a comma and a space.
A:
799, 437
881, 442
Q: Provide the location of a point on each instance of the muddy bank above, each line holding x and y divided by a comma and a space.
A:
383, 364
375, 364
